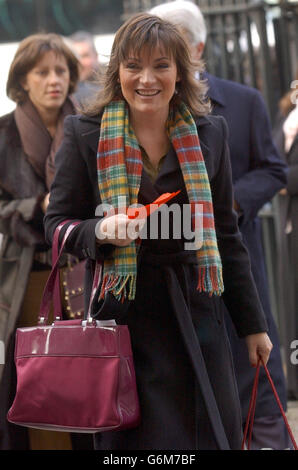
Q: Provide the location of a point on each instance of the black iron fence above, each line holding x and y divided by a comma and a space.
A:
253, 42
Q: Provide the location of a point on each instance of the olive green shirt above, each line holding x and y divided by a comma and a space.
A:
150, 169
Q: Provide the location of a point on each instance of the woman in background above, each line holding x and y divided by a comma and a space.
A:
42, 76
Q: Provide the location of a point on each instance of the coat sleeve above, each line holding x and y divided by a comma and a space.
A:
17, 215
267, 173
240, 294
72, 197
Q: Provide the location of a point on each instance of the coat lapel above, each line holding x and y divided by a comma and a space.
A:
214, 90
90, 130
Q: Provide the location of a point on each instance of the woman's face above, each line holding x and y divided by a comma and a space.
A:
148, 81
47, 83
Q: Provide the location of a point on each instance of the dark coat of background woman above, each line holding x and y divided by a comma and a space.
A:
42, 75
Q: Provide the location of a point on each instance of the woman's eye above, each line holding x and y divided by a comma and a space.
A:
42, 72
60, 71
132, 65
162, 66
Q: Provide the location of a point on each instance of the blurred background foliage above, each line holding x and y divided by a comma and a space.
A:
19, 18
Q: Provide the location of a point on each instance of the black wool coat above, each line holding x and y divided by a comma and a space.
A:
21, 224
175, 413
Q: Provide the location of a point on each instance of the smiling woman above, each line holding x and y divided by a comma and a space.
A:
148, 133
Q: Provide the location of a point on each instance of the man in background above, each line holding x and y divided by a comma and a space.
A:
82, 43
258, 174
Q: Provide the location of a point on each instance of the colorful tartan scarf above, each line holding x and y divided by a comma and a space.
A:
119, 168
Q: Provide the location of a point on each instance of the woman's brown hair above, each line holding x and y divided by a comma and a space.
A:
29, 52
145, 30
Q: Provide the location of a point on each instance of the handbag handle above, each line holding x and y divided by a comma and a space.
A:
57, 293
51, 291
55, 253
96, 280
252, 408
52, 288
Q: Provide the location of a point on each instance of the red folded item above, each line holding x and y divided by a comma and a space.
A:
143, 212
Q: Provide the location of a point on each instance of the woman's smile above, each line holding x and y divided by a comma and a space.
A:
148, 93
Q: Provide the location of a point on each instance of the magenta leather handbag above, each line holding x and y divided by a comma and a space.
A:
74, 375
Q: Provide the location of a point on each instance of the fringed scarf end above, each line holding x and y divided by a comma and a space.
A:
122, 287
210, 280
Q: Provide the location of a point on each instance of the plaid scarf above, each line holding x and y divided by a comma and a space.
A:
119, 168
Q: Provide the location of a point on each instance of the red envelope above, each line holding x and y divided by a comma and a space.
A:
143, 212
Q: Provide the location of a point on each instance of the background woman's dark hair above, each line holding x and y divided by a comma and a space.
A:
29, 52
145, 30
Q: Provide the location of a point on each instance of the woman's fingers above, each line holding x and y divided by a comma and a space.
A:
134, 228
259, 345
264, 353
119, 229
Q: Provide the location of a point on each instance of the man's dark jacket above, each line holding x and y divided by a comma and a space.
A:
258, 174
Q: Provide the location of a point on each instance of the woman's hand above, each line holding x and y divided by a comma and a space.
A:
119, 229
258, 345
